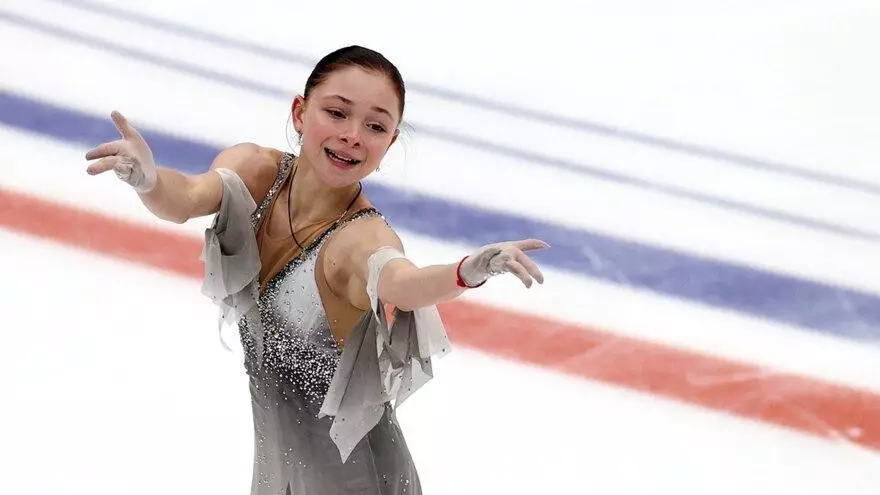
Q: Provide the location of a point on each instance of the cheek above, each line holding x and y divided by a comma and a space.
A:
379, 145
315, 135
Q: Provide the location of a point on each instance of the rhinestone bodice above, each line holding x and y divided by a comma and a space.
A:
323, 415
298, 346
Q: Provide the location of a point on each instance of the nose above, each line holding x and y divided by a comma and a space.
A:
351, 135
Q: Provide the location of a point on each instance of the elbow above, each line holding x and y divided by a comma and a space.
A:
173, 217
395, 287
404, 307
178, 213
177, 217
397, 298
407, 296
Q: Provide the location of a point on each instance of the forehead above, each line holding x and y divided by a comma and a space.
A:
364, 88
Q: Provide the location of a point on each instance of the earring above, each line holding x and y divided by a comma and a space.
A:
299, 141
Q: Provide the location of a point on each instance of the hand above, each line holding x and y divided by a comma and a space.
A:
503, 257
130, 157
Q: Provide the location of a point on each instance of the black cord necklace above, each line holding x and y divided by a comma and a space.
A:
290, 214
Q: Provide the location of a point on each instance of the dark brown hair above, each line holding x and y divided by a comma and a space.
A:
358, 56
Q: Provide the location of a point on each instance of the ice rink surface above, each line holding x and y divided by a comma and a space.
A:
706, 174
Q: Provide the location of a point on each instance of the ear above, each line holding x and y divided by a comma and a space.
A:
297, 108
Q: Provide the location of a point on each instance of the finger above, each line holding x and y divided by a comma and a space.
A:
106, 149
514, 267
530, 244
530, 266
103, 165
123, 126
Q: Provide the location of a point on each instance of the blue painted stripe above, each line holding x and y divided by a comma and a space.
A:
582, 125
808, 304
442, 135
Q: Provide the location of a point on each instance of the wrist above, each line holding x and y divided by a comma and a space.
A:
146, 182
462, 281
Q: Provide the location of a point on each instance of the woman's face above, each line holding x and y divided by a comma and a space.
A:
347, 125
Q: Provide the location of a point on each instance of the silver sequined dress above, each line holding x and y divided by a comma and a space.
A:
323, 416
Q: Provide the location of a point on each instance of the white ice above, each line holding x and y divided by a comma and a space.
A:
104, 392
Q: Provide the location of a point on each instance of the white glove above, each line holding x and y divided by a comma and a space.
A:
130, 157
503, 257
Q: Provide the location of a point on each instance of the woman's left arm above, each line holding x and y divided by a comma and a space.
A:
407, 286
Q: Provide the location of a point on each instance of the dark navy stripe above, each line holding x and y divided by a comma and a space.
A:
546, 160
785, 299
585, 126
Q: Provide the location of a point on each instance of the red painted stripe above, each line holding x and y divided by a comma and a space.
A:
805, 404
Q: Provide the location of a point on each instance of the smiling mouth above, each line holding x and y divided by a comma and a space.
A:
340, 158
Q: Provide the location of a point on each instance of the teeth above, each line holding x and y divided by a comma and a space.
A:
350, 161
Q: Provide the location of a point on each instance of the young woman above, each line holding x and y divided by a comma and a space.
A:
302, 261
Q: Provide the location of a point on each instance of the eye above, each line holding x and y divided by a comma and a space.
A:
377, 127
336, 114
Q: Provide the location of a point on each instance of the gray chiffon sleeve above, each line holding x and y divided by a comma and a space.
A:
230, 253
381, 363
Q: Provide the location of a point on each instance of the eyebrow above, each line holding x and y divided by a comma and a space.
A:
349, 102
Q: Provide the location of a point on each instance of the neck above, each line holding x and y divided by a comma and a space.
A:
312, 200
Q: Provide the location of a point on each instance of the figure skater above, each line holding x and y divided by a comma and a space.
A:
301, 260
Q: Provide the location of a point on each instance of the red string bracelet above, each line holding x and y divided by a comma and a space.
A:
460, 281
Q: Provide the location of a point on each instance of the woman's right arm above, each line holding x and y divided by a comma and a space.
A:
178, 197
172, 195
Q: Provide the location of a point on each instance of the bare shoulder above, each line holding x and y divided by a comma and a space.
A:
365, 234
347, 252
256, 165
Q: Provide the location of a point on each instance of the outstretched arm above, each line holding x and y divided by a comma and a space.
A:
169, 194
406, 286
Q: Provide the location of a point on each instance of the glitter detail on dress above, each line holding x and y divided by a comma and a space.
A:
322, 416
291, 356
298, 345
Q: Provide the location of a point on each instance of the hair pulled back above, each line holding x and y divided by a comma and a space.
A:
356, 56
